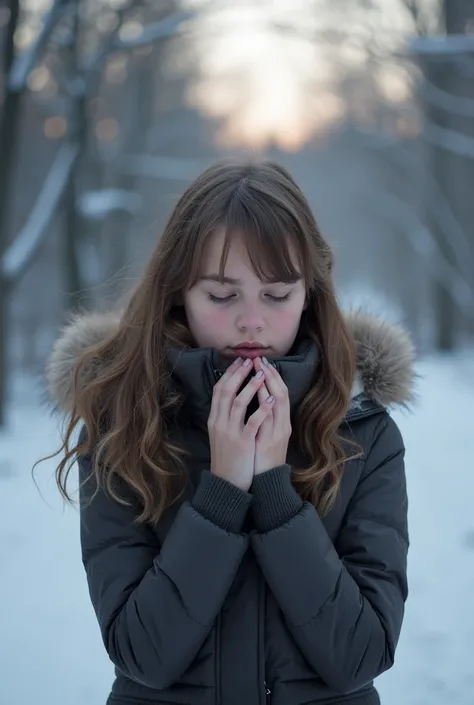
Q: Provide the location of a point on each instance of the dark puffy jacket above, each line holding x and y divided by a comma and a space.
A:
251, 598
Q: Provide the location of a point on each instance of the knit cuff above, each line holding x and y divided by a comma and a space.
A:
275, 501
221, 502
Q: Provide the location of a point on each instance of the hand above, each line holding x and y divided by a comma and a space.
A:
271, 444
232, 441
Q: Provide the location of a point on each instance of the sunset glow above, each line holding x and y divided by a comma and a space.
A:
263, 71
262, 85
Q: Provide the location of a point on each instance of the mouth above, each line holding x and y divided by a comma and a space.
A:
250, 351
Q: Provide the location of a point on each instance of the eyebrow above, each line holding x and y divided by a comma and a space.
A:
238, 282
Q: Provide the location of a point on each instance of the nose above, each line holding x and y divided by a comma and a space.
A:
250, 319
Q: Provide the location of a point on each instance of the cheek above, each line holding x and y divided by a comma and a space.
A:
287, 318
210, 321
214, 318
285, 324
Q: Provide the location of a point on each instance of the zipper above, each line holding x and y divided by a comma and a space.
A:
261, 637
218, 660
268, 692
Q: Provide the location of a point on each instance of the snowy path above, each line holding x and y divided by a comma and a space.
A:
50, 649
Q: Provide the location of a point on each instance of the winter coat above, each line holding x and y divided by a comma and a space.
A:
239, 598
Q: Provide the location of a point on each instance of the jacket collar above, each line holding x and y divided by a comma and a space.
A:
197, 370
385, 362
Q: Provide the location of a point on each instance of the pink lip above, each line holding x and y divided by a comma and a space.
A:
251, 353
249, 344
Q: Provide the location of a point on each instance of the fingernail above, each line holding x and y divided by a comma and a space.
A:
237, 360
259, 374
269, 400
264, 360
247, 362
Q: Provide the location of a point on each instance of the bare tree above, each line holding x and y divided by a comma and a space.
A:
443, 162
448, 98
81, 68
426, 15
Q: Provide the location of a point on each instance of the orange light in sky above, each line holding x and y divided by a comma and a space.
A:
267, 85
260, 83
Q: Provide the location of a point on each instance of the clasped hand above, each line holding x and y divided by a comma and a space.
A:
241, 450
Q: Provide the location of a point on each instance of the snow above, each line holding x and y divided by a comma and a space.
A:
98, 204
50, 648
434, 662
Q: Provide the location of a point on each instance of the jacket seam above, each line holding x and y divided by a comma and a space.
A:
388, 525
184, 606
321, 608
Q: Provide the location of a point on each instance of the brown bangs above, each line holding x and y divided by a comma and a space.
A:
269, 232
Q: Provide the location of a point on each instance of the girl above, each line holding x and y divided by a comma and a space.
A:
243, 499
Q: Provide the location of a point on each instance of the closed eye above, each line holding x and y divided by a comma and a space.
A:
279, 299
220, 299
226, 299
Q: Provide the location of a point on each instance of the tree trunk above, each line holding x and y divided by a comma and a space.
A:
9, 122
77, 134
450, 170
459, 19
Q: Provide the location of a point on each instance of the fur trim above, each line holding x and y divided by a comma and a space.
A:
385, 357
82, 331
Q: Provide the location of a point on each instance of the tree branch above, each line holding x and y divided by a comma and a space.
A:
450, 140
443, 213
426, 246
447, 101
25, 62
163, 29
18, 256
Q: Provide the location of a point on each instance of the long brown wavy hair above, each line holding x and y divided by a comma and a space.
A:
127, 406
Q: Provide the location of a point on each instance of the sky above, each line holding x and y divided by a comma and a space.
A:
268, 71
271, 85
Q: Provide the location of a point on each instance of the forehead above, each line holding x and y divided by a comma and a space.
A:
238, 259
214, 248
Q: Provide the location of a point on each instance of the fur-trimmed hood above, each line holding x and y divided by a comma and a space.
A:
385, 357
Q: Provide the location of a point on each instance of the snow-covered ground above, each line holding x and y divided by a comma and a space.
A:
50, 648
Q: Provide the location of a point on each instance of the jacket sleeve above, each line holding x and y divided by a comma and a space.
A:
156, 604
344, 604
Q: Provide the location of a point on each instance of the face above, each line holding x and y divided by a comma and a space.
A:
244, 310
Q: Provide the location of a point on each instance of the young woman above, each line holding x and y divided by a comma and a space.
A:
242, 485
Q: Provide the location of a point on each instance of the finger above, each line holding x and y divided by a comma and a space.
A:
279, 390
262, 363
267, 425
231, 369
263, 393
256, 420
215, 406
237, 371
227, 387
242, 400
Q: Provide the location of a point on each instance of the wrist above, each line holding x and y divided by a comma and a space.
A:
275, 500
239, 483
266, 465
221, 502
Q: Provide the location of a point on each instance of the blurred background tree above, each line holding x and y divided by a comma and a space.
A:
110, 107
